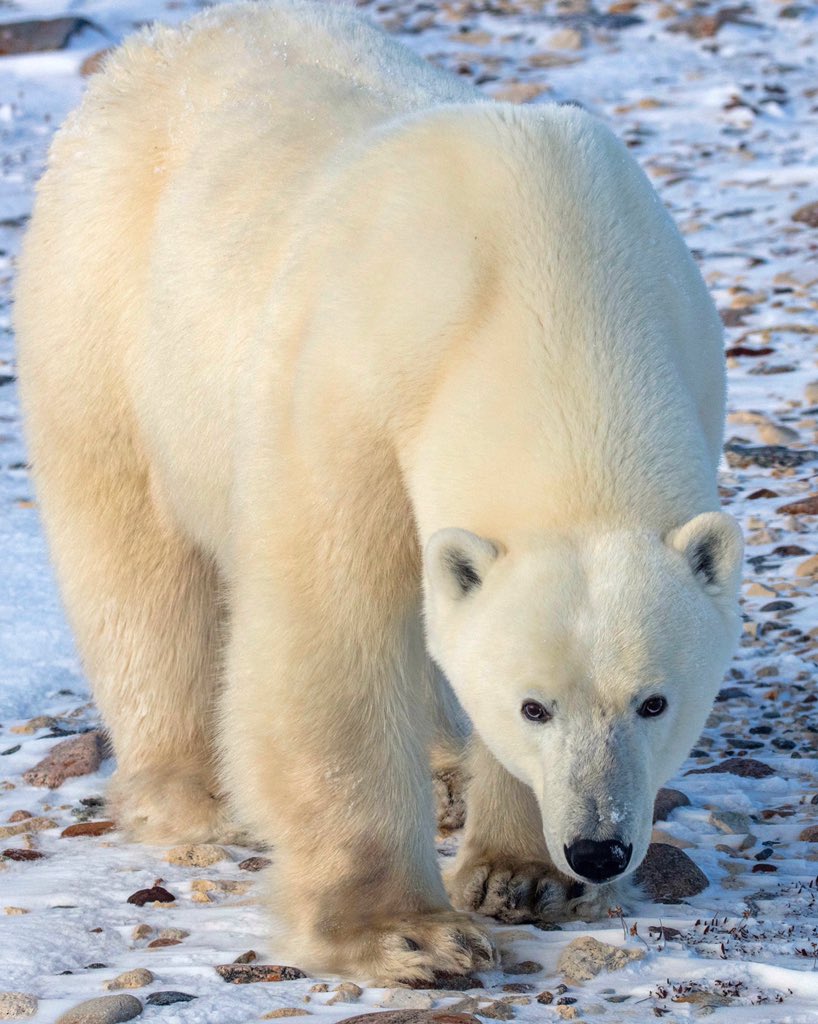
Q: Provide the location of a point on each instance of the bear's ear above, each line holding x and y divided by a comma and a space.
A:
457, 561
714, 548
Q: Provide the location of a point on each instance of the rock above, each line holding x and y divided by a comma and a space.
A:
524, 967
807, 215
247, 974
79, 755
16, 816
26, 825
742, 456
167, 998
496, 1011
174, 934
407, 999
141, 931
40, 35
441, 1016
809, 834
88, 828
667, 800
744, 767
668, 874
136, 978
775, 433
17, 1005
94, 62
804, 506
220, 886
346, 992
285, 1011
565, 39
443, 981
518, 987
13, 854
519, 92
196, 856
34, 725
586, 957
811, 392
249, 957
657, 835
703, 999
732, 822
161, 943
156, 894
809, 567
103, 1010
567, 1012
255, 864
705, 26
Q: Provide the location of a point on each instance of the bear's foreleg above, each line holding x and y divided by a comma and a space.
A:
325, 739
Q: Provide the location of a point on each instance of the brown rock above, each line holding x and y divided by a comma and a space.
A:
524, 967
13, 854
809, 567
246, 974
807, 215
667, 874
255, 864
804, 506
667, 800
161, 943
20, 816
447, 982
79, 755
26, 825
88, 828
285, 1011
249, 957
156, 894
413, 1017
744, 767
94, 63
809, 834
40, 35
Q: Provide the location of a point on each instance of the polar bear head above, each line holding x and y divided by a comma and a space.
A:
588, 664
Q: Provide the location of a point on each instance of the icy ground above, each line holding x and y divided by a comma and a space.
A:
724, 119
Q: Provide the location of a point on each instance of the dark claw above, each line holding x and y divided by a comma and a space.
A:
575, 890
411, 944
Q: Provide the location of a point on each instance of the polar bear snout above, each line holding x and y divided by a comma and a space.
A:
598, 861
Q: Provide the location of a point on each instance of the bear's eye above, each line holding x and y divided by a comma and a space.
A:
652, 707
535, 712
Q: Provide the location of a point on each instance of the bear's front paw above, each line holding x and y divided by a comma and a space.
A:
532, 892
420, 947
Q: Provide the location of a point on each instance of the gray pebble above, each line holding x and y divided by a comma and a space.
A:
103, 1010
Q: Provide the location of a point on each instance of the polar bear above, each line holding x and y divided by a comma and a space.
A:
344, 385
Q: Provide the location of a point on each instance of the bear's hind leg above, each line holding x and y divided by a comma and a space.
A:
144, 608
503, 868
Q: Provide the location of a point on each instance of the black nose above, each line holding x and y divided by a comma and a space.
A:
598, 861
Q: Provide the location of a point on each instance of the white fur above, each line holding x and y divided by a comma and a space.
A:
291, 303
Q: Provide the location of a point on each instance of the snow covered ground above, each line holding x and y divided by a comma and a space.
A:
720, 105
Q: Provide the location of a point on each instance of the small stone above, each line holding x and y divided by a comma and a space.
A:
667, 801
809, 834
163, 943
804, 506
136, 978
79, 755
546, 998
34, 725
586, 957
220, 886
16, 816
519, 92
807, 215
346, 992
775, 433
26, 825
247, 974
88, 828
94, 63
524, 967
285, 1011
407, 999
174, 934
156, 894
518, 986
668, 874
168, 998
13, 854
443, 981
17, 1005
442, 1016
320, 986
201, 855
809, 567
496, 1011
142, 931
255, 864
565, 39
567, 1012
103, 1010
744, 767
15, 911
731, 822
